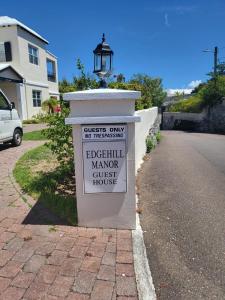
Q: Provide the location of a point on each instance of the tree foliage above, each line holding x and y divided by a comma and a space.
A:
151, 89
152, 93
66, 87
83, 81
213, 91
79, 83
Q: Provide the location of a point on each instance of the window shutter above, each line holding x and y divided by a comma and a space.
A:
8, 51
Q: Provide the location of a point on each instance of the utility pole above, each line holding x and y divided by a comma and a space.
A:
215, 60
215, 52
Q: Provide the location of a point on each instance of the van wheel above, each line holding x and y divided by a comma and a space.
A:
17, 137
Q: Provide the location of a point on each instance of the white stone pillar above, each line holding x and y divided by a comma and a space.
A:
103, 123
22, 105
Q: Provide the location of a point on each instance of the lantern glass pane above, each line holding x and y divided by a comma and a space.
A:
103, 63
98, 62
106, 63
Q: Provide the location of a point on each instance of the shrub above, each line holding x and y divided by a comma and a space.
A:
194, 104
31, 121
49, 105
150, 144
39, 118
158, 136
60, 137
59, 134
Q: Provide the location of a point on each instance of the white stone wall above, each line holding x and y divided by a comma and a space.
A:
169, 118
148, 117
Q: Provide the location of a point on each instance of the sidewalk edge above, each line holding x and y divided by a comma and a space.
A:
146, 290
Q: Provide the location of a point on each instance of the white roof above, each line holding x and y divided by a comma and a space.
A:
7, 21
5, 66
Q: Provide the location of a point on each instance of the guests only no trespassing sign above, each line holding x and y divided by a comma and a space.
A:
104, 158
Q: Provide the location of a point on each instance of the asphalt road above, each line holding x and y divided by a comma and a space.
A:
182, 197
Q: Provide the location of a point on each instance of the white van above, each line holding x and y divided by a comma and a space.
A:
10, 124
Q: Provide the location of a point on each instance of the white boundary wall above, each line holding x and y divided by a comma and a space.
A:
148, 117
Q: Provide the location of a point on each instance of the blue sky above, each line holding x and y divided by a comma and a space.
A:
156, 37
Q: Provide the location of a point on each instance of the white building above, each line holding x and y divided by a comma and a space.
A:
28, 72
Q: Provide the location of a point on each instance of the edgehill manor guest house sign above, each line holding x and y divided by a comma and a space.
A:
104, 158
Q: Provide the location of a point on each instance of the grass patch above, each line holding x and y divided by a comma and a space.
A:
34, 136
40, 176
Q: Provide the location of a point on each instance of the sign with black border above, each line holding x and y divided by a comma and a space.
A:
104, 158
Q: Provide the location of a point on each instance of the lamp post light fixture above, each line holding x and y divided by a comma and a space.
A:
103, 56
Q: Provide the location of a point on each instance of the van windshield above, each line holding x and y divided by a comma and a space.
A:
3, 103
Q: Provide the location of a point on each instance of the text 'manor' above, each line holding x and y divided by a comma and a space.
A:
104, 158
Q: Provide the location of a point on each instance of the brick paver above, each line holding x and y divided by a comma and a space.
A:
70, 263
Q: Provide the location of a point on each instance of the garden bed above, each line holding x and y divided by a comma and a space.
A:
40, 175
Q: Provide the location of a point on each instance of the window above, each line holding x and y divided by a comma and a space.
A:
5, 52
51, 70
3, 103
36, 98
33, 54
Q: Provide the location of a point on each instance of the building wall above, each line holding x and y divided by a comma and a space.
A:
172, 119
53, 86
36, 77
32, 72
44, 96
9, 34
148, 118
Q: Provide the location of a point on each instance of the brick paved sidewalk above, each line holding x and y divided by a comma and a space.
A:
58, 262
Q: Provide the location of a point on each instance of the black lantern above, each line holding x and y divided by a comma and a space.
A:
103, 61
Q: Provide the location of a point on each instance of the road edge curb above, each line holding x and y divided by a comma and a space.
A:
145, 286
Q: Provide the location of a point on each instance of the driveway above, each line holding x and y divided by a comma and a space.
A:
33, 127
43, 258
182, 196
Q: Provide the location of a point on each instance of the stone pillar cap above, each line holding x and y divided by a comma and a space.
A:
102, 94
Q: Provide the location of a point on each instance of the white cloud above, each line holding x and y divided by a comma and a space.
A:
172, 92
194, 83
166, 21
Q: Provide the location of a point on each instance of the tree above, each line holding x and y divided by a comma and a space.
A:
152, 93
65, 86
213, 91
221, 69
83, 81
